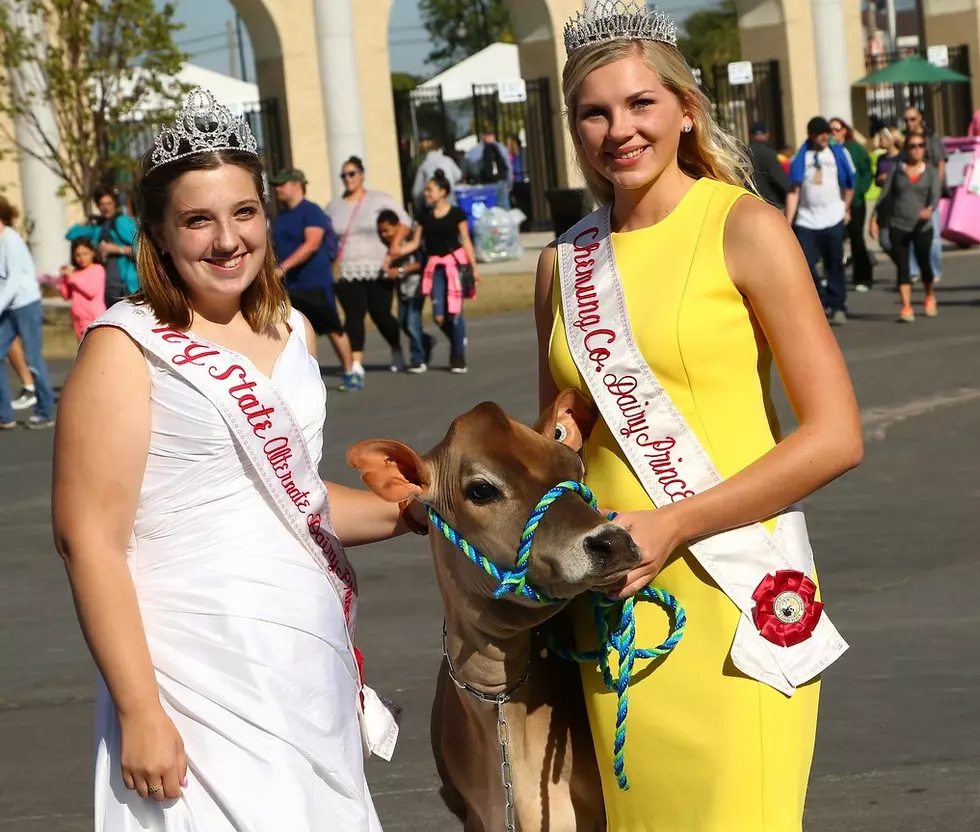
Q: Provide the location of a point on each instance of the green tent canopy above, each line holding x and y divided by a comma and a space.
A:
912, 70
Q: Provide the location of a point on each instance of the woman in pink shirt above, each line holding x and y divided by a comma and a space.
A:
83, 283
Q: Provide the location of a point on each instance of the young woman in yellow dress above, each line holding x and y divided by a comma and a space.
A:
711, 284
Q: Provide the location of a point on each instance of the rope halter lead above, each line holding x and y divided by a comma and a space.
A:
614, 619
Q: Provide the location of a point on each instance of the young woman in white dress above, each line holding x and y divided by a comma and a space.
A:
230, 694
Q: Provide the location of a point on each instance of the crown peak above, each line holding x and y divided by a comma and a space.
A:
202, 125
611, 20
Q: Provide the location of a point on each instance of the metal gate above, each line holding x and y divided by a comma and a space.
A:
526, 128
948, 108
738, 105
264, 119
419, 113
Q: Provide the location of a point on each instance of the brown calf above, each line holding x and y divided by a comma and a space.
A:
485, 478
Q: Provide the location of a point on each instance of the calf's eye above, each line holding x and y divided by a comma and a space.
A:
481, 493
561, 433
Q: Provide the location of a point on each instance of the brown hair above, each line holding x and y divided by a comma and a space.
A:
8, 213
706, 151
264, 303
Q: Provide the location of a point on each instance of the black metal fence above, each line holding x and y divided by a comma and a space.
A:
419, 113
948, 108
525, 126
738, 105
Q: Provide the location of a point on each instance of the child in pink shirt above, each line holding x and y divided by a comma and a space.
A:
83, 285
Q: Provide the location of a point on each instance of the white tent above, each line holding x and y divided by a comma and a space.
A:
498, 62
238, 96
232, 92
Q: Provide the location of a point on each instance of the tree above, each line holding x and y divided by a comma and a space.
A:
405, 81
87, 80
460, 28
711, 37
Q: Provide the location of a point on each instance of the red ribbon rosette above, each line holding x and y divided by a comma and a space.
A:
786, 610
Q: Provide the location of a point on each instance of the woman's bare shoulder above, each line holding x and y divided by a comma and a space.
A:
108, 356
545, 272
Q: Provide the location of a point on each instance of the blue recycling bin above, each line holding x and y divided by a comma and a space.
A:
475, 201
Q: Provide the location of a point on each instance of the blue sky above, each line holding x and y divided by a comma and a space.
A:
205, 38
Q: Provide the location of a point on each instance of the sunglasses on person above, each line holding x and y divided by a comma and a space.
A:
348, 174
916, 145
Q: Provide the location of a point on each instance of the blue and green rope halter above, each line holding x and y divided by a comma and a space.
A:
614, 619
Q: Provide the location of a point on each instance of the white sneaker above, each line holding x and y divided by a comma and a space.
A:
397, 361
26, 399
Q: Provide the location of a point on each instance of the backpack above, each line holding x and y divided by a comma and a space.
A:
493, 166
331, 242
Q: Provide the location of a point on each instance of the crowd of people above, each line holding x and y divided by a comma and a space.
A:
362, 252
845, 196
839, 189
355, 255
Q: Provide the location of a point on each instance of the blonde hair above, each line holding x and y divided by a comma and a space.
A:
264, 303
707, 151
893, 133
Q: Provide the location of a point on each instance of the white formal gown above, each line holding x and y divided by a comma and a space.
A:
245, 632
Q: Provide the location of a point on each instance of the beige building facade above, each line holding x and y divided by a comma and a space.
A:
310, 53
956, 22
284, 39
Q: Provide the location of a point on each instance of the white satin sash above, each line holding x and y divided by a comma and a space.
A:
266, 430
669, 460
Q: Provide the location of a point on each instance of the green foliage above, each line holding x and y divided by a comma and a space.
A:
404, 81
460, 28
711, 37
92, 64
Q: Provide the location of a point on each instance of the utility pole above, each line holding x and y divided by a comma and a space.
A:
232, 49
241, 45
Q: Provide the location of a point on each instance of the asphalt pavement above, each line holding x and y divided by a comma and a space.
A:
898, 746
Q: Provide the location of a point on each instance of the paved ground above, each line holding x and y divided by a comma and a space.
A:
899, 737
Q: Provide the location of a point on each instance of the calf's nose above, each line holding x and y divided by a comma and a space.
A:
610, 543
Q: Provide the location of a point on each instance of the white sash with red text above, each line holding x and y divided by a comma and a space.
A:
667, 457
266, 430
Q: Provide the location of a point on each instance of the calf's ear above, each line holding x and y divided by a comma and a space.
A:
569, 419
391, 469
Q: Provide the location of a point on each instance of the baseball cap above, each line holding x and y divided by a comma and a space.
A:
289, 175
817, 125
758, 127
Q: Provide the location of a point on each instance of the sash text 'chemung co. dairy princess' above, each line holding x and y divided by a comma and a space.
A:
666, 307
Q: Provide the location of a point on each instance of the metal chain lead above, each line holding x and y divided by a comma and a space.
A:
503, 736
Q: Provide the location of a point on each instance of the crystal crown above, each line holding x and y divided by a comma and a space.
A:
616, 20
201, 126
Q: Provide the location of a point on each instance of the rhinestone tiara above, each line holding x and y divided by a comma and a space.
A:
616, 20
201, 126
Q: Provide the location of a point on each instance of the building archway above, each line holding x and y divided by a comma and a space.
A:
283, 35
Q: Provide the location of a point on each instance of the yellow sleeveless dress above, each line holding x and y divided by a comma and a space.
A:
708, 749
